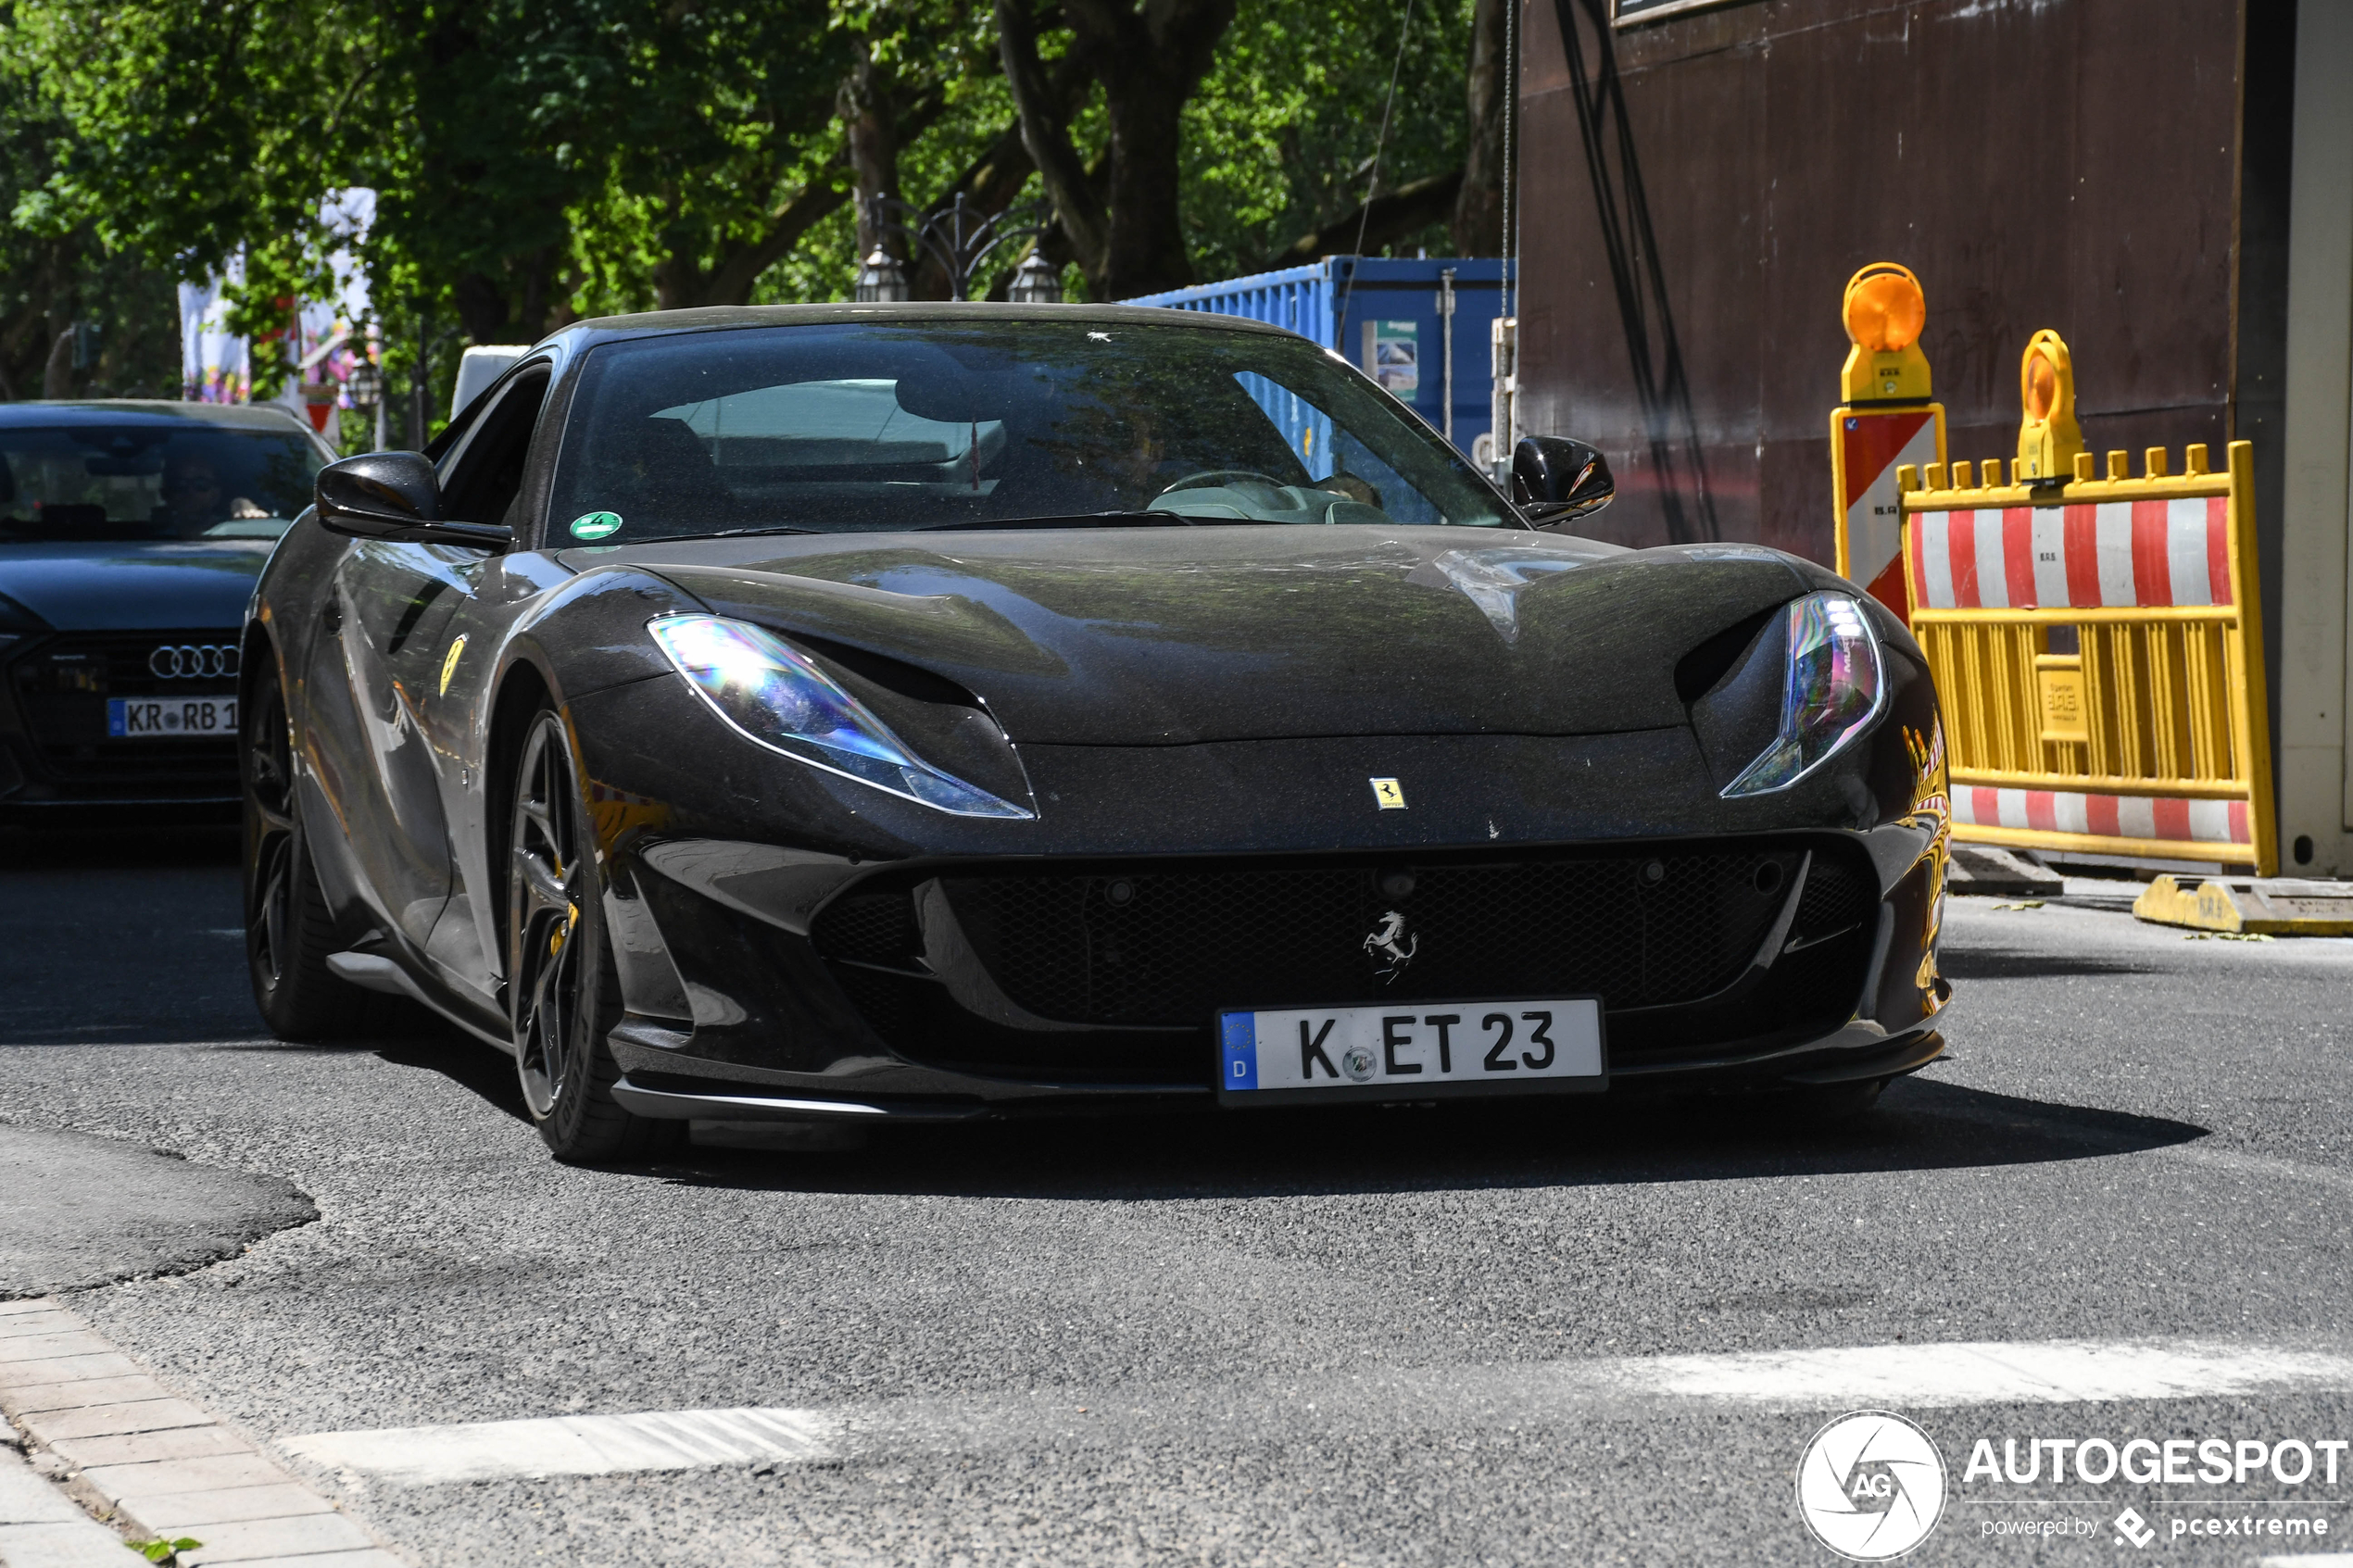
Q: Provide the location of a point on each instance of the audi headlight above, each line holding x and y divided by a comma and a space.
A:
1832, 692
774, 693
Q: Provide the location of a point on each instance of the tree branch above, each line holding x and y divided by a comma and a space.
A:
1392, 215
1045, 132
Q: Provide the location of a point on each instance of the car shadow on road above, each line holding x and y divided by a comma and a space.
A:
1920, 1125
2008, 963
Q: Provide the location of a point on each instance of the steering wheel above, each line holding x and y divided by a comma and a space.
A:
1215, 478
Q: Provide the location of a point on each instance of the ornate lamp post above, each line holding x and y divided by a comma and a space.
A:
880, 281
366, 387
958, 237
1036, 282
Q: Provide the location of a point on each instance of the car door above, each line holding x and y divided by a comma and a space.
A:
388, 655
484, 482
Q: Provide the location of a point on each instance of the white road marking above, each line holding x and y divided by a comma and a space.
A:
1896, 1376
2262, 1165
2055, 1371
572, 1445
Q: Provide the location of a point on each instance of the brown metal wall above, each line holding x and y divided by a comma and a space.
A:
2067, 163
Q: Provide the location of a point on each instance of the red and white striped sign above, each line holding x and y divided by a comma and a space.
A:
1870, 446
2118, 554
2105, 816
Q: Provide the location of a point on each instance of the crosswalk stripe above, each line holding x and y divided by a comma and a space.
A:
1900, 1376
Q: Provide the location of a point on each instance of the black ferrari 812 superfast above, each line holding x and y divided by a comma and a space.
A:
871, 713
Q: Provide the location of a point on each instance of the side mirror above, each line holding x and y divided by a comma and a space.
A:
394, 496
1556, 479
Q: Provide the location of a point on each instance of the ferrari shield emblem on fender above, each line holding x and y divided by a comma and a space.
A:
449, 664
1389, 795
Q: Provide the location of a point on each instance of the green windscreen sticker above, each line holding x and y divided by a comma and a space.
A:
596, 525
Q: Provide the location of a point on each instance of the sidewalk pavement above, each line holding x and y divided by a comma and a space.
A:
156, 1466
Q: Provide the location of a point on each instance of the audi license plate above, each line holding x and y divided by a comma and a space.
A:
1420, 1051
151, 717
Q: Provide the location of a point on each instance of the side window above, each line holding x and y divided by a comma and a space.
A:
487, 484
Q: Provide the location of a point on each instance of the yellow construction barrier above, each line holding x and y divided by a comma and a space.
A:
1885, 421
2096, 642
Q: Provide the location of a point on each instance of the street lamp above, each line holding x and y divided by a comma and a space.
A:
881, 282
1036, 282
365, 387
959, 237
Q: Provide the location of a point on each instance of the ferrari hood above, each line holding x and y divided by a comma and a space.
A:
128, 585
1167, 636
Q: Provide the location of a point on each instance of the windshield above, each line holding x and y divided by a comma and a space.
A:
867, 428
156, 479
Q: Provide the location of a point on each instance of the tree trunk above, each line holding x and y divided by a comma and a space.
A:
481, 308
1151, 61
56, 375
1145, 253
1478, 210
870, 123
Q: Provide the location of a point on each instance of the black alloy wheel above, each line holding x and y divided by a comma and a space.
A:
564, 992
289, 930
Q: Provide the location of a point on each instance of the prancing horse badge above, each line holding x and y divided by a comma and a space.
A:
1389, 795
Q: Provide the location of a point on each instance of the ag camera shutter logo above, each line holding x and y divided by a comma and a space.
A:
1870, 1485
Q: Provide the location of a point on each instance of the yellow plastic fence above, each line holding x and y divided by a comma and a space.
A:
2099, 649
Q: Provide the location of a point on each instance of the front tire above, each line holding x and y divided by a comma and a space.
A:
563, 991
289, 929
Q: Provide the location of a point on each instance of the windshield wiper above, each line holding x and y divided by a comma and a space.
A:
1079, 519
722, 533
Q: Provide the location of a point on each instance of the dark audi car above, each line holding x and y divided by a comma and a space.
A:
131, 534
874, 712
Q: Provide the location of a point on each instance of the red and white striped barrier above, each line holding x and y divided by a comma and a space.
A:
2154, 818
2112, 554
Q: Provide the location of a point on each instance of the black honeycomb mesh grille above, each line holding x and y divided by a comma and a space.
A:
1154, 947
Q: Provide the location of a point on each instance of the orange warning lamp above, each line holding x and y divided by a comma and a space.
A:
2048, 437
1884, 311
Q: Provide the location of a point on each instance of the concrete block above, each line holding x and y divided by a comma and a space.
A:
185, 1513
19, 1325
145, 1447
88, 1391
163, 1477
99, 1421
66, 1369
2280, 905
309, 1535
26, 1497
74, 1339
1983, 869
83, 1544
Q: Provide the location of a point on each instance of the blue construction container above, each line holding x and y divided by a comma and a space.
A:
1383, 316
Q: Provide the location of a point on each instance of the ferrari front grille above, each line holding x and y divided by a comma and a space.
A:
1156, 947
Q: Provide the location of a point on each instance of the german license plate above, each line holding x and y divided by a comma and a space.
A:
1426, 1050
165, 718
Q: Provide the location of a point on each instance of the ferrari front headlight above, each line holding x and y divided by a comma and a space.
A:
774, 693
1833, 691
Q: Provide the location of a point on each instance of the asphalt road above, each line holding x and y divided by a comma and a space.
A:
1401, 1336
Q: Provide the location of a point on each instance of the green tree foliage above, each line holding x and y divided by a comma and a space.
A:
540, 160
76, 319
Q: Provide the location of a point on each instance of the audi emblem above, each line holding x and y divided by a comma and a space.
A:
193, 661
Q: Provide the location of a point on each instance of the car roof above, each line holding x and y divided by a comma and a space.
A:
714, 318
114, 410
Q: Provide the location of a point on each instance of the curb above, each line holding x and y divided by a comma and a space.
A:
2250, 906
154, 1466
